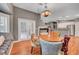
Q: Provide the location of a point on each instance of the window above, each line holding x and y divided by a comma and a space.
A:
4, 22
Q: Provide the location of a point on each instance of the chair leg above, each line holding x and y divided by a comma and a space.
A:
40, 51
31, 50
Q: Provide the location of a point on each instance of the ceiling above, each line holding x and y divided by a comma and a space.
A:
6, 7
60, 11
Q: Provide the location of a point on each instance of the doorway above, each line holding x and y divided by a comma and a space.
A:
26, 28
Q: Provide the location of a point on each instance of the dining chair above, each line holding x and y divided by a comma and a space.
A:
50, 48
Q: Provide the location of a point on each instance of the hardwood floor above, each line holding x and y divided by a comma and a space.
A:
21, 48
24, 48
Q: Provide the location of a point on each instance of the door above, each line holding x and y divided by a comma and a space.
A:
25, 28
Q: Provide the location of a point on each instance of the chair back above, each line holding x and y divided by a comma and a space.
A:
50, 48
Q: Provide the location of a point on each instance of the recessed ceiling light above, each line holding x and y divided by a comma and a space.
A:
66, 16
77, 15
60, 17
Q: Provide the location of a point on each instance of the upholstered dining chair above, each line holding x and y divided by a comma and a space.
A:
50, 48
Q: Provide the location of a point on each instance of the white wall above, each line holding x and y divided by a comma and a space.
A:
64, 24
76, 28
68, 28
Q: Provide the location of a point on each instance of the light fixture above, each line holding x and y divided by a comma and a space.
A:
46, 12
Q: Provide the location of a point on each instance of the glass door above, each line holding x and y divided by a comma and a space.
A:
25, 28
